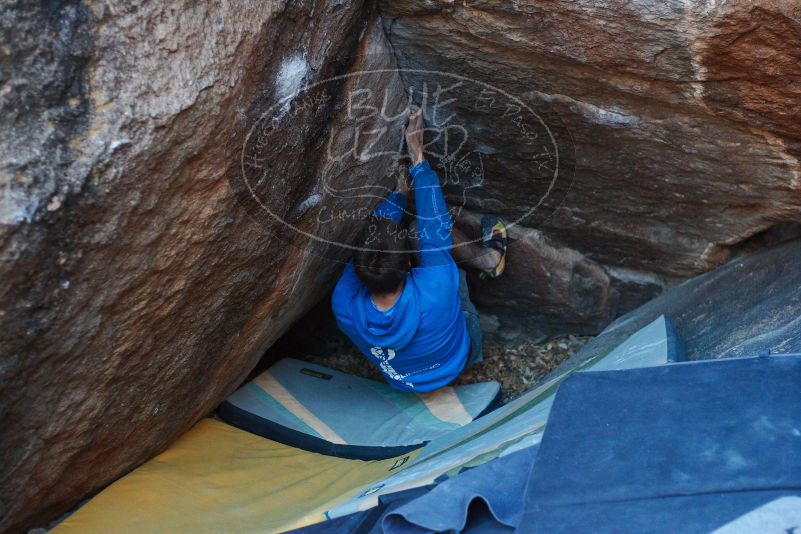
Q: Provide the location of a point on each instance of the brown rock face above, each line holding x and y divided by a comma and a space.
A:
677, 125
546, 289
164, 215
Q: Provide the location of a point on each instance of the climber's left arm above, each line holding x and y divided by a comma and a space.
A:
392, 207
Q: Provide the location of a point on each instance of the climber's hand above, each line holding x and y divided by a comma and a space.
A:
403, 184
414, 136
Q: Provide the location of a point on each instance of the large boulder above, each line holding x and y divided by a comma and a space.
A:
677, 126
163, 168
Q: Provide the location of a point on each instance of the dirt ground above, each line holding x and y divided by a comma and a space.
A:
516, 367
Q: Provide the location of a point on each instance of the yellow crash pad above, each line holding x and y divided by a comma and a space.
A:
217, 478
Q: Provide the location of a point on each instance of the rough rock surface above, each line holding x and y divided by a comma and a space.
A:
545, 290
683, 118
141, 276
748, 307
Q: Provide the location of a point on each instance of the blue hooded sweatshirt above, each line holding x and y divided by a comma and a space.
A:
421, 343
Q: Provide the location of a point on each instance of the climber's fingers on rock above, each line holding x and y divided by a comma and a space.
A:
414, 131
402, 172
416, 119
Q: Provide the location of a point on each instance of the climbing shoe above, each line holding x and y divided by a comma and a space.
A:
493, 236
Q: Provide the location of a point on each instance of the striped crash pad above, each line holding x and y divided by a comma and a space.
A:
321, 410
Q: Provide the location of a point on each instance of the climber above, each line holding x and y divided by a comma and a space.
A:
416, 323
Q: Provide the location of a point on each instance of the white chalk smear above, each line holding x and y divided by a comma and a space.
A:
290, 77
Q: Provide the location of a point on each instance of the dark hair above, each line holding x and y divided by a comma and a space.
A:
382, 260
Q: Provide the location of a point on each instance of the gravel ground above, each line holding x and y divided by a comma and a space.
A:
516, 367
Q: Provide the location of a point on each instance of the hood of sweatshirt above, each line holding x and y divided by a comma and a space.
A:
393, 328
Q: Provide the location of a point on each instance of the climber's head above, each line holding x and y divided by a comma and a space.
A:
381, 261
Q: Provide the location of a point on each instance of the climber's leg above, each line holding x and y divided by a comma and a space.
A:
494, 237
476, 354
485, 256
473, 255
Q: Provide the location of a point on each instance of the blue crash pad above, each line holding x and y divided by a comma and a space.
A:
687, 447
487, 498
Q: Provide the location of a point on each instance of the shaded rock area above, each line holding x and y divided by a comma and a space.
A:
748, 307
676, 125
148, 152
